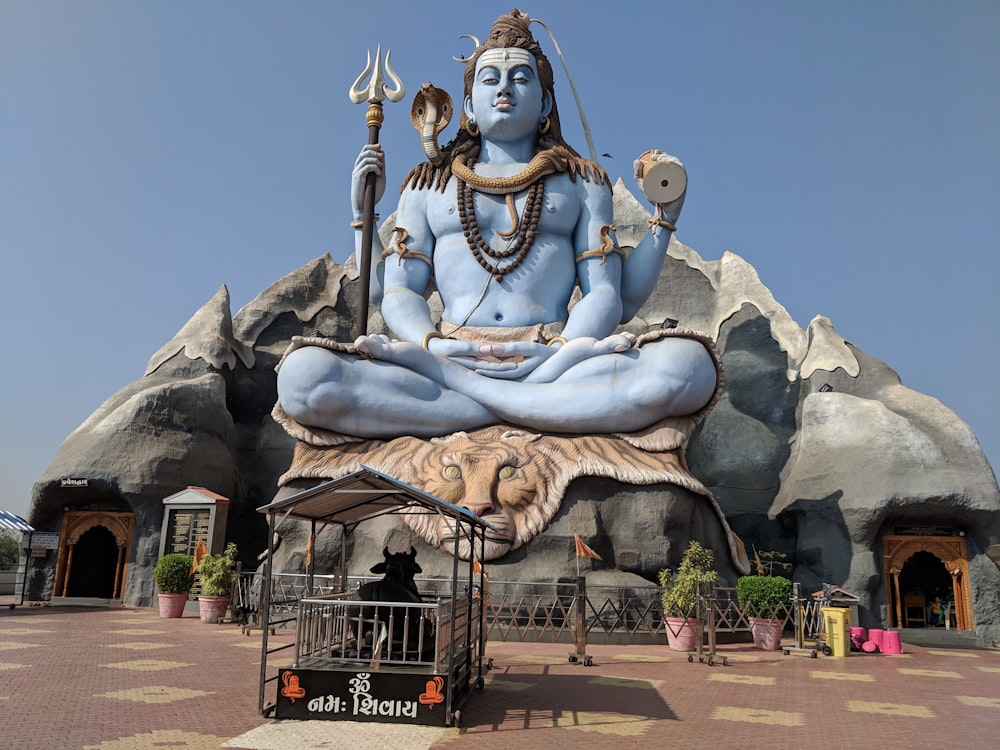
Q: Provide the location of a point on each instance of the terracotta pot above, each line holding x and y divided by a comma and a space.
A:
766, 633
172, 605
212, 608
681, 633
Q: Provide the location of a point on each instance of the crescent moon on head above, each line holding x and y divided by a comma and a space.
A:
475, 40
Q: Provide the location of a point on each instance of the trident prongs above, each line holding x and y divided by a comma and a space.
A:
374, 93
377, 90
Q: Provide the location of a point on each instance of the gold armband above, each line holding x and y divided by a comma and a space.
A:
657, 222
555, 340
398, 247
361, 223
429, 336
608, 246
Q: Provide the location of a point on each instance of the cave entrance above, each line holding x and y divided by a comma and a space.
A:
93, 554
922, 569
94, 563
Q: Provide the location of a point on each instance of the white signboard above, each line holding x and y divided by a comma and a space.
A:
44, 540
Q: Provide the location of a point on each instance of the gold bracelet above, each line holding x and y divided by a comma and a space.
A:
555, 340
360, 223
429, 336
662, 223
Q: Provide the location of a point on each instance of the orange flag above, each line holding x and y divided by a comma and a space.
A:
582, 550
479, 569
200, 551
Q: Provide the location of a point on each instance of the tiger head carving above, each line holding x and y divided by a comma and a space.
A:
513, 479
500, 477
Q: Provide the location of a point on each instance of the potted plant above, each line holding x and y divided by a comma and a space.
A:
680, 595
174, 580
218, 573
764, 599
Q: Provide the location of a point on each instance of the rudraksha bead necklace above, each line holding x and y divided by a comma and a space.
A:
516, 250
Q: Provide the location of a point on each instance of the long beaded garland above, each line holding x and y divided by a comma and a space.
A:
518, 249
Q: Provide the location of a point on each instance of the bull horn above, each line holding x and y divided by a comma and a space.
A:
385, 551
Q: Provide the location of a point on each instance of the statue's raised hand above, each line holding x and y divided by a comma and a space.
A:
662, 179
371, 160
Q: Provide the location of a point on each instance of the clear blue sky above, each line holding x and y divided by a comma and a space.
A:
152, 151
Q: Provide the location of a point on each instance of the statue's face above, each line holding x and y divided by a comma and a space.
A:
507, 101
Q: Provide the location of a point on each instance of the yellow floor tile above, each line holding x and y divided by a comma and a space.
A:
742, 679
759, 716
932, 673
154, 694
146, 665
890, 709
847, 676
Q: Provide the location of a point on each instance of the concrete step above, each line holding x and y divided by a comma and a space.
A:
84, 601
941, 638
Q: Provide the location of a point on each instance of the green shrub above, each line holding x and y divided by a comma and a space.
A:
218, 572
769, 563
173, 574
764, 596
9, 553
680, 589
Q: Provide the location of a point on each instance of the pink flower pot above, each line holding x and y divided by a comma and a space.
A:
212, 608
766, 633
172, 605
681, 633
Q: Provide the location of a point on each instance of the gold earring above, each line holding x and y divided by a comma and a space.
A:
544, 125
471, 128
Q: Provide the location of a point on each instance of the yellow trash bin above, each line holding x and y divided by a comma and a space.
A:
838, 629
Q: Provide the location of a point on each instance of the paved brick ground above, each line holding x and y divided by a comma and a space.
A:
114, 678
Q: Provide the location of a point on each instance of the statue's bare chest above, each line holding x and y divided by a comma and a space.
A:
495, 216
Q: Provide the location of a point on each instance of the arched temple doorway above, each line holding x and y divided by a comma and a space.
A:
93, 554
94, 564
919, 569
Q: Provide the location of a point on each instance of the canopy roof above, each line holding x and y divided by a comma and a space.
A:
11, 522
362, 495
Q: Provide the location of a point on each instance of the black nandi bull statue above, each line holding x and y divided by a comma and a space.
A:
411, 633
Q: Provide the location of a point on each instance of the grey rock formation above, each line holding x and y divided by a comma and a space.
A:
816, 448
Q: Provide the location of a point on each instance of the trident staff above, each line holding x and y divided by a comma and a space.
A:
373, 93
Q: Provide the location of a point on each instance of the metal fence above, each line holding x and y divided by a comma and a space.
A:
339, 627
529, 612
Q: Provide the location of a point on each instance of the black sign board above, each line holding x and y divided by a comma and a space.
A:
387, 697
185, 528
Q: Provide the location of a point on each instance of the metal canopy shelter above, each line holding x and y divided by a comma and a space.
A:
362, 495
351, 500
10, 522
